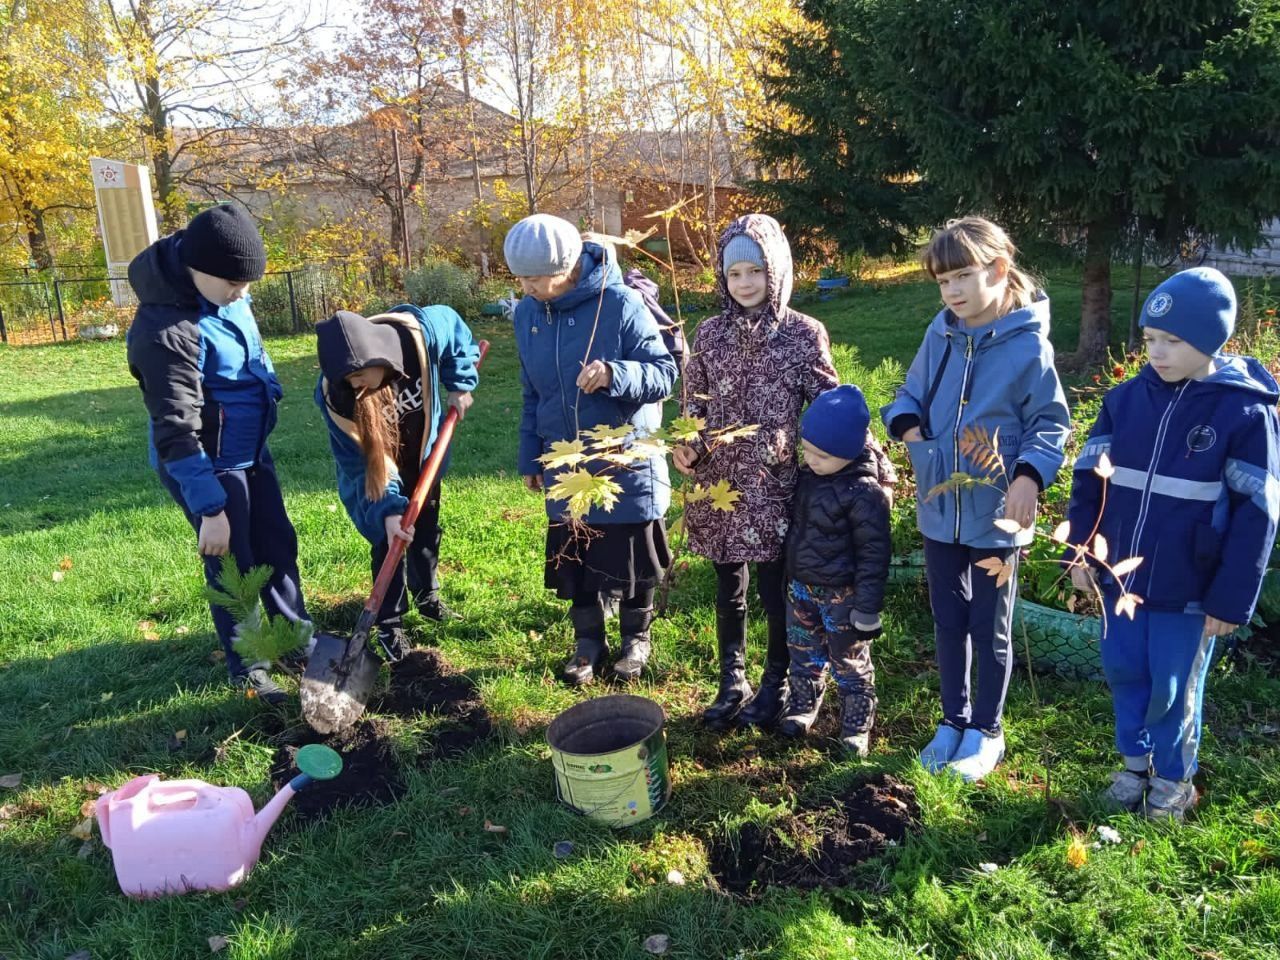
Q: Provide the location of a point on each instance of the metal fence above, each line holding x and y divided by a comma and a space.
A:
48, 309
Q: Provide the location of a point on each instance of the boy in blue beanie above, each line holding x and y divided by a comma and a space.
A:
836, 564
1194, 443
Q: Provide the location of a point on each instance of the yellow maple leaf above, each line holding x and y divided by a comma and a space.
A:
583, 490
606, 436
564, 453
736, 433
686, 429
695, 493
647, 447
1077, 853
723, 497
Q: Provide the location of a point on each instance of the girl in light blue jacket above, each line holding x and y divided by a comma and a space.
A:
984, 371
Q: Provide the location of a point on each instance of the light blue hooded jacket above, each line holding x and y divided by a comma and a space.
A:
999, 377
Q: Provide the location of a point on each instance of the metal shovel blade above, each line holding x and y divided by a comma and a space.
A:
340, 675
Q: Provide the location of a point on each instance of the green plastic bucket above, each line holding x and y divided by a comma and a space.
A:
610, 759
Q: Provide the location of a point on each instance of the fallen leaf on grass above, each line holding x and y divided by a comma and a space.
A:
58, 575
106, 696
1108, 835
11, 781
182, 631
1077, 853
94, 787
988, 867
494, 827
217, 943
65, 563
83, 830
658, 944
89, 808
1137, 847
675, 877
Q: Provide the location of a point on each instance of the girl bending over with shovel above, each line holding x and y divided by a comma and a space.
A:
385, 384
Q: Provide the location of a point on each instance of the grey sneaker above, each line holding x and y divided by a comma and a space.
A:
1169, 799
1127, 790
258, 683
856, 744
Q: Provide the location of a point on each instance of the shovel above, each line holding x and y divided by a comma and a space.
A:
341, 673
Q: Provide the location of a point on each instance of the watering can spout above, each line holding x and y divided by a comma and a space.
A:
316, 763
256, 830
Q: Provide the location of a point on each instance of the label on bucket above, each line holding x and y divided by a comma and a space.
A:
618, 788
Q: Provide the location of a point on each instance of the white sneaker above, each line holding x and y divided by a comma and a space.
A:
1127, 790
941, 748
1169, 799
977, 755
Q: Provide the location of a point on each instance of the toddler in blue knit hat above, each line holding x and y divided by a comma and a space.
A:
1180, 477
836, 565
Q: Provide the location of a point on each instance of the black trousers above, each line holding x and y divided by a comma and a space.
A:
973, 618
418, 569
732, 581
261, 533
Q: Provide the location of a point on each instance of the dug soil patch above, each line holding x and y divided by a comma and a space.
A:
821, 843
424, 683
370, 772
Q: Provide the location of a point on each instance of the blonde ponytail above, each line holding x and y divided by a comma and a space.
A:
977, 242
379, 429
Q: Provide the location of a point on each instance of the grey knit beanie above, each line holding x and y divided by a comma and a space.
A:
742, 248
542, 246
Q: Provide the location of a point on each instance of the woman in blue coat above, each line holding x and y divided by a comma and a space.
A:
385, 383
592, 355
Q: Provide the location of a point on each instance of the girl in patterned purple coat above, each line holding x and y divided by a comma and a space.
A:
758, 362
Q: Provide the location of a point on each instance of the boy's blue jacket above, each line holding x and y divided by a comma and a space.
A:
447, 353
998, 377
1196, 488
206, 380
553, 338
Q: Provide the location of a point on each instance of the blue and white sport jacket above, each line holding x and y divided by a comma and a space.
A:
1196, 488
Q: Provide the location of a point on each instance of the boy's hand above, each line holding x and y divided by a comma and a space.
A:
596, 375
911, 435
215, 535
532, 481
1020, 502
1082, 578
394, 529
460, 400
1213, 627
684, 457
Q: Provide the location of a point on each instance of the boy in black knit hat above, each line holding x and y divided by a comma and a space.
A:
837, 565
211, 394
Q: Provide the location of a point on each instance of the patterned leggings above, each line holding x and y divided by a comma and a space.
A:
819, 633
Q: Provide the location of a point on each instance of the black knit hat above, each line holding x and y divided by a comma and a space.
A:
223, 242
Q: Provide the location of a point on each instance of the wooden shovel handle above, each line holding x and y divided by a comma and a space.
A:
426, 477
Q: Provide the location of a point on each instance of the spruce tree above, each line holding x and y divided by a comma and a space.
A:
1058, 116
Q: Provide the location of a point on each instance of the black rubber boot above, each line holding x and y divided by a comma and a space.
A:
765, 708
803, 702
588, 630
731, 641
634, 623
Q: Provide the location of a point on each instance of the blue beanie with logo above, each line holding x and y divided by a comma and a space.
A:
1196, 305
837, 421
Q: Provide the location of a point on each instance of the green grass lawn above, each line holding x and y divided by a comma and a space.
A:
105, 650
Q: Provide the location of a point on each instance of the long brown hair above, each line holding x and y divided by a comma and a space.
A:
378, 425
977, 242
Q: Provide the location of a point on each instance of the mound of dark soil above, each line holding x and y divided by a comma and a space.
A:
370, 772
424, 683
820, 844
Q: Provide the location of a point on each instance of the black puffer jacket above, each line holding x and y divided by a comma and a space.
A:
839, 533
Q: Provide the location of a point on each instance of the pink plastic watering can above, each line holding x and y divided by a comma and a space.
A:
173, 836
